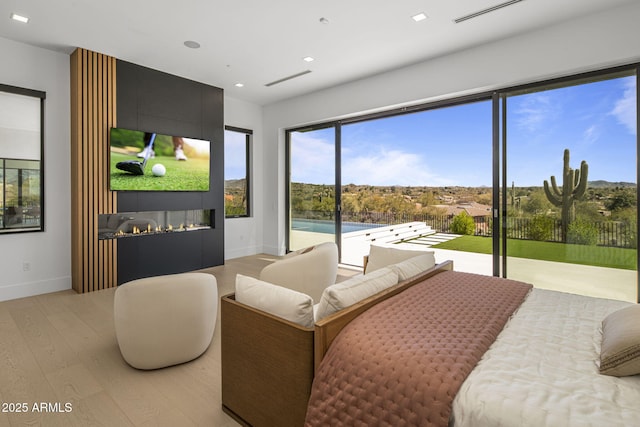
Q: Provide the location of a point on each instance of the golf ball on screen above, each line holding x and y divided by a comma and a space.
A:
158, 170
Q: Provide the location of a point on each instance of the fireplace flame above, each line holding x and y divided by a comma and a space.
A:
143, 228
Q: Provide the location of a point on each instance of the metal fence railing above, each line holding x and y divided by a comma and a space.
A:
606, 233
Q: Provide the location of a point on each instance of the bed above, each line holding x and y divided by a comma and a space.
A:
537, 363
543, 370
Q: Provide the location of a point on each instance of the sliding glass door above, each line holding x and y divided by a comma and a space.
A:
409, 179
570, 186
536, 183
311, 187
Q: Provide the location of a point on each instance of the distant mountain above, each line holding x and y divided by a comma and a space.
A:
607, 184
234, 183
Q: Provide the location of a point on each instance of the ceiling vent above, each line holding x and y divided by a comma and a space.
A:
284, 79
487, 10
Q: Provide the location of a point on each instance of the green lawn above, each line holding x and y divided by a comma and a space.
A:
600, 256
191, 175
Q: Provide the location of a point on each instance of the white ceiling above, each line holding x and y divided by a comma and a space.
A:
256, 42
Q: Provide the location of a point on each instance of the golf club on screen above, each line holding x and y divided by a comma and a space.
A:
134, 166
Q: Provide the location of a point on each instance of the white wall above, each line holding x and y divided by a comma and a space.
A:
587, 43
243, 236
584, 44
48, 252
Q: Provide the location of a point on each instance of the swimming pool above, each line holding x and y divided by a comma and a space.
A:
329, 227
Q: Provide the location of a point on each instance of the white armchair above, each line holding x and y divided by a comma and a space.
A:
308, 270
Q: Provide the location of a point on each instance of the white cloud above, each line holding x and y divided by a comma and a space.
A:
313, 160
534, 111
591, 134
389, 167
625, 107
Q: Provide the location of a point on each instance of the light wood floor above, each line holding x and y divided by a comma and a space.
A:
61, 348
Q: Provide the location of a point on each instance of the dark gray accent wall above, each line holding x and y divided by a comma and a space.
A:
152, 101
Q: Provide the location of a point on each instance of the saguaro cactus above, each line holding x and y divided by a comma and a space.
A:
574, 185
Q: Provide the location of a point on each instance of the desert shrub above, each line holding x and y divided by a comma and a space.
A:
582, 232
463, 224
629, 233
541, 228
632, 239
622, 199
627, 220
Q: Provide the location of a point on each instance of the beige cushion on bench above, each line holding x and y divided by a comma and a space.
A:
345, 294
165, 320
308, 270
283, 302
384, 256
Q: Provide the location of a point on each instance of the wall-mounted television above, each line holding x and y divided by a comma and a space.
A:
147, 161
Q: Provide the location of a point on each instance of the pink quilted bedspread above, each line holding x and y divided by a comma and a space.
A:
402, 362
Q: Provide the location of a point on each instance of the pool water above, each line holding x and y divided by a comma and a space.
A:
329, 227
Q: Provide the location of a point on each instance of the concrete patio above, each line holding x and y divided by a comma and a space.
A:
587, 280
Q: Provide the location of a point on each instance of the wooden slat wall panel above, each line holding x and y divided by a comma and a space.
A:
93, 113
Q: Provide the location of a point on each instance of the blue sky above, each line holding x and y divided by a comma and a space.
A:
235, 155
452, 146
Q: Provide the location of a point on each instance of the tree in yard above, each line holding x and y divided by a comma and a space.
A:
541, 228
582, 232
574, 185
536, 203
463, 223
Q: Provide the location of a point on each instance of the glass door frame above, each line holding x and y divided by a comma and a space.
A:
338, 191
500, 149
337, 125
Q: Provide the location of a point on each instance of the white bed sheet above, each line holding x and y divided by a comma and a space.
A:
543, 370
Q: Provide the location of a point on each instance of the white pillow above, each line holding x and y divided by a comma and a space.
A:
382, 256
344, 294
277, 300
414, 266
620, 352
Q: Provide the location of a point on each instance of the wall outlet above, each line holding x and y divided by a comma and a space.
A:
26, 266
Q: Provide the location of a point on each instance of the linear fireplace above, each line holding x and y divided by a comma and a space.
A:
133, 224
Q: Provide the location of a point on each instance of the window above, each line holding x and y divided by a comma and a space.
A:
476, 177
570, 184
402, 169
430, 166
237, 144
21, 185
312, 188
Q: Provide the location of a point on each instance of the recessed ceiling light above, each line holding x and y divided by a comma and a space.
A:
324, 21
307, 59
192, 44
239, 85
19, 18
419, 17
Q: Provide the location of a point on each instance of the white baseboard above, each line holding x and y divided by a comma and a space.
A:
240, 252
272, 250
22, 290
